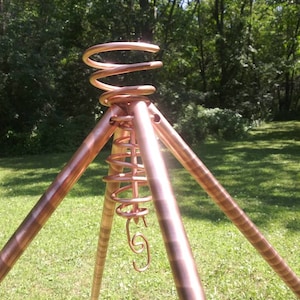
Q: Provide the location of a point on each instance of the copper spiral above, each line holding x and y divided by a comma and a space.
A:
116, 94
133, 177
128, 195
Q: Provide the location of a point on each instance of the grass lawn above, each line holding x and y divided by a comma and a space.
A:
262, 173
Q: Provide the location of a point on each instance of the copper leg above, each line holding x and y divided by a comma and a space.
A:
204, 177
184, 270
106, 224
57, 191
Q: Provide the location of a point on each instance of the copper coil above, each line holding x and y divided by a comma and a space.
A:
133, 176
116, 94
133, 179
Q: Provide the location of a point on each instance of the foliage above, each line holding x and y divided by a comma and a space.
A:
261, 173
198, 123
237, 55
63, 138
56, 134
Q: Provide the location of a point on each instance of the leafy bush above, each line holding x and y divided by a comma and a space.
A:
13, 143
54, 134
198, 123
58, 134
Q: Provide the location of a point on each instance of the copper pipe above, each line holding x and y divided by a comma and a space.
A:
180, 256
106, 222
221, 197
50, 200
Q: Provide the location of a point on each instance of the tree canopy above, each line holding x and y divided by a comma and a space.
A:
227, 54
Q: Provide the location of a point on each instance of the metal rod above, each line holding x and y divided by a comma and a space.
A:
50, 200
221, 197
180, 256
106, 222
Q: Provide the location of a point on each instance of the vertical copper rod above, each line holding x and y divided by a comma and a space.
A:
57, 191
106, 221
204, 177
180, 256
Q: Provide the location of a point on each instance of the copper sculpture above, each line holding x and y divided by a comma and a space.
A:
135, 122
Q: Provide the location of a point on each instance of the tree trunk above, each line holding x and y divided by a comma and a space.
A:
168, 29
147, 23
220, 50
200, 46
2, 25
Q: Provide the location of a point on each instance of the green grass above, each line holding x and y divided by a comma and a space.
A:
261, 173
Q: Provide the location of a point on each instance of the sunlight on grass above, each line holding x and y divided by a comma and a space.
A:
261, 173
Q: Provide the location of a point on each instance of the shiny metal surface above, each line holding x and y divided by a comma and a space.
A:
57, 191
134, 121
226, 203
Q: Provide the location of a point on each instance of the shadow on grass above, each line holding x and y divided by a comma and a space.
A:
34, 174
262, 173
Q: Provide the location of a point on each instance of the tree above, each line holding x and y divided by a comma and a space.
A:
276, 40
24, 84
238, 55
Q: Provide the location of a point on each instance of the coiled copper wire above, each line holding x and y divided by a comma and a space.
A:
134, 177
131, 181
116, 94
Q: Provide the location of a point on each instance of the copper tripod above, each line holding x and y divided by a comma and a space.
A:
135, 123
